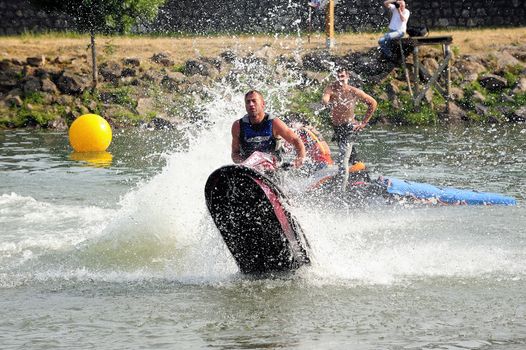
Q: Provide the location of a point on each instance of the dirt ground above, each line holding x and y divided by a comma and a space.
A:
183, 48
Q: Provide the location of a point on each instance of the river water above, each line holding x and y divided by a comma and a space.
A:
122, 253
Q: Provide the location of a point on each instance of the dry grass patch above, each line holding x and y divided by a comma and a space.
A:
184, 48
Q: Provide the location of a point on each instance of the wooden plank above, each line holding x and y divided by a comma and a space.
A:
405, 69
428, 40
427, 76
434, 78
448, 78
416, 64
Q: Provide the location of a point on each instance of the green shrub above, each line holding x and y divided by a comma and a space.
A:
178, 68
407, 114
38, 116
34, 98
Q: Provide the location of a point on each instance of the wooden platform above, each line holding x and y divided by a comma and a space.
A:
428, 40
418, 87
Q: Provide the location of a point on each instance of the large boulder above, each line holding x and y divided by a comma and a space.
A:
493, 82
519, 115
521, 86
171, 80
111, 71
152, 76
506, 60
163, 58
228, 56
71, 83
132, 61
145, 106
48, 86
193, 67
457, 94
455, 113
36, 61
9, 75
470, 67
31, 85
14, 101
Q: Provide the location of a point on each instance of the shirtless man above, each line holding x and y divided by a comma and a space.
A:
342, 99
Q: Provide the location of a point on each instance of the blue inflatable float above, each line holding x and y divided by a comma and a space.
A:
447, 195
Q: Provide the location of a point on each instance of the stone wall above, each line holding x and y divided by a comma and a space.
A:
470, 13
18, 16
283, 16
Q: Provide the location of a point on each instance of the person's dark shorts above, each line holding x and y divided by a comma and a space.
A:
343, 133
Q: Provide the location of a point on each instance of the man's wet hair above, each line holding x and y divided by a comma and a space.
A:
341, 69
251, 92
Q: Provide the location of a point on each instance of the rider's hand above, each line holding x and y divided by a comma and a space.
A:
359, 126
298, 162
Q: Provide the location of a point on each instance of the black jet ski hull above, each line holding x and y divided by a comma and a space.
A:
250, 213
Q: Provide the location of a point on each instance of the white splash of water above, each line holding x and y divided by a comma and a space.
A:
163, 226
30, 226
391, 245
163, 229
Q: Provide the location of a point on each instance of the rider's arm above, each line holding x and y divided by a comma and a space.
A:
282, 130
326, 97
371, 105
236, 148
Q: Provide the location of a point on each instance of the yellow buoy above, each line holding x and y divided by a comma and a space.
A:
90, 133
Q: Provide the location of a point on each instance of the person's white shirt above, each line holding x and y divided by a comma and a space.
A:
396, 22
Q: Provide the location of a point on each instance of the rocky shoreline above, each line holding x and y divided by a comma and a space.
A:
50, 92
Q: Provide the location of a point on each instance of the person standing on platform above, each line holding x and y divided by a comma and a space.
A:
397, 26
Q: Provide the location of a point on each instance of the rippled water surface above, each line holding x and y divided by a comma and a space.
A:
120, 252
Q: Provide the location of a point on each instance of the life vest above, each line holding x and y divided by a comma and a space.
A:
257, 137
317, 149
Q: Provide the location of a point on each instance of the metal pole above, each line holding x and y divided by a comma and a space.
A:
310, 24
329, 25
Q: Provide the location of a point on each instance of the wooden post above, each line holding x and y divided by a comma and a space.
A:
430, 80
94, 68
310, 24
448, 77
329, 25
433, 79
416, 70
408, 80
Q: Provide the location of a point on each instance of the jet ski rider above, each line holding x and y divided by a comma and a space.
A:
259, 131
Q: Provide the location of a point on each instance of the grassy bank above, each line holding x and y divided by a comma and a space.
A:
183, 48
170, 87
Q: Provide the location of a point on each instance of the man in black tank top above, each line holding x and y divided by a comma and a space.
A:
256, 116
